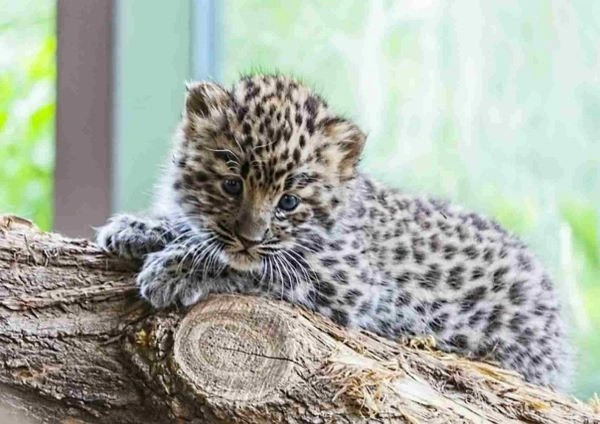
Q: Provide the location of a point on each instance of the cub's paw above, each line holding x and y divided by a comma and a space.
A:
163, 281
132, 237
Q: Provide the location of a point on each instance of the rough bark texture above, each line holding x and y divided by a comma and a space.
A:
77, 346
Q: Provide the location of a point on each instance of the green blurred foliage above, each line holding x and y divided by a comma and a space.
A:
492, 104
582, 218
27, 105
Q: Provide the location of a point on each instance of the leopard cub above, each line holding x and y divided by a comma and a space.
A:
263, 196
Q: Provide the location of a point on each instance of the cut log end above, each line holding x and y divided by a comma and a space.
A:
235, 349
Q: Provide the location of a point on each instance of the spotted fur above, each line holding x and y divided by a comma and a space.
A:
362, 254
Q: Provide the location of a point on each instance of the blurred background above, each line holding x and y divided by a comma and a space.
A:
495, 105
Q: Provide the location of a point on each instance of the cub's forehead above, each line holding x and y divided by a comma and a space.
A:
274, 125
262, 95
276, 118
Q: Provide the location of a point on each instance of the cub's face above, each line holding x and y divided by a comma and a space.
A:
263, 169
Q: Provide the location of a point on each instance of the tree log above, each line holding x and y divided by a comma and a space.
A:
77, 345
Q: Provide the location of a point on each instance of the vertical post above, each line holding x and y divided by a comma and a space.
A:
122, 66
83, 116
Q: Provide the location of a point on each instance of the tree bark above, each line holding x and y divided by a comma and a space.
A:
76, 345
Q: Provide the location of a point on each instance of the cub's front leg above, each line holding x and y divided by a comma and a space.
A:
180, 275
166, 280
134, 237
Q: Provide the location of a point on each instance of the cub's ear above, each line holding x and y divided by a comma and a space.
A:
205, 99
344, 146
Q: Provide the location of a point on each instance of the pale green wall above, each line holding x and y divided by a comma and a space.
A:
152, 63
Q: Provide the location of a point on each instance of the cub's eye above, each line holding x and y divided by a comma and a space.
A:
232, 186
288, 202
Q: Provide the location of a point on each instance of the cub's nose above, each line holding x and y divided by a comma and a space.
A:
248, 243
251, 229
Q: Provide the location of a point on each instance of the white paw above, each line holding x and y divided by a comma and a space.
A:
129, 236
163, 283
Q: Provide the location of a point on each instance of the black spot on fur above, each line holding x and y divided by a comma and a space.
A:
320, 299
526, 337
477, 273
340, 276
400, 252
404, 278
365, 307
455, 277
498, 282
494, 320
241, 113
302, 141
476, 318
419, 256
524, 261
472, 297
310, 126
329, 261
339, 317
459, 341
471, 252
327, 289
449, 251
516, 293
438, 324
404, 298
351, 296
488, 254
479, 222
311, 105
431, 278
517, 321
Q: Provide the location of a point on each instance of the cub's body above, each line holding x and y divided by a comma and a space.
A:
263, 196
